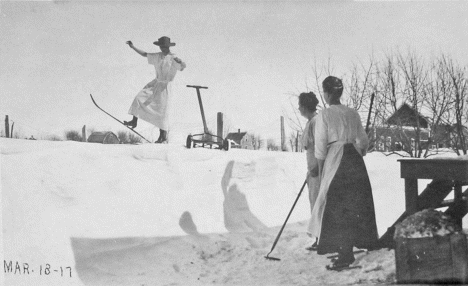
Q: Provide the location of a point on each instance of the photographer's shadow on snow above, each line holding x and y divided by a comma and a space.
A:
237, 214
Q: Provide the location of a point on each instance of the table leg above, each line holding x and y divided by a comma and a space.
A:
458, 201
411, 195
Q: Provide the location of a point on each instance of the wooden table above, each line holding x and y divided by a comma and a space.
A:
455, 170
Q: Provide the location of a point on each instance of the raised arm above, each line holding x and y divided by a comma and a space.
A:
142, 53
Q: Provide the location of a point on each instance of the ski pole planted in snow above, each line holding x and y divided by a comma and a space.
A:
284, 224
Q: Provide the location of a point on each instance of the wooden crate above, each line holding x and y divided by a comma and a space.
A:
432, 259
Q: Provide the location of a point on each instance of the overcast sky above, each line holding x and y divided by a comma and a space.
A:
249, 55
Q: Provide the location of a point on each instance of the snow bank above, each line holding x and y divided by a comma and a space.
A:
145, 214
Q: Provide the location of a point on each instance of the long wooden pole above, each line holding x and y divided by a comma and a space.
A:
369, 115
220, 126
197, 87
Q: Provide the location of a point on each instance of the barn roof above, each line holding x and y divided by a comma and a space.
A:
407, 116
236, 136
100, 137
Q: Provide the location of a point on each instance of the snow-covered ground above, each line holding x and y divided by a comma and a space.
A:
166, 215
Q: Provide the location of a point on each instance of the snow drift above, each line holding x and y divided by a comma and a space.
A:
163, 214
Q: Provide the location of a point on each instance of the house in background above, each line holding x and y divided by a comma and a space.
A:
240, 139
401, 131
445, 136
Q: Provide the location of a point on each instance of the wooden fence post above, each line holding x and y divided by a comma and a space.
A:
83, 133
7, 127
220, 126
297, 141
282, 134
11, 133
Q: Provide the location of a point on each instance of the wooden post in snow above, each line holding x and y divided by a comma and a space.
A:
12, 126
282, 134
297, 141
220, 126
83, 133
7, 127
370, 112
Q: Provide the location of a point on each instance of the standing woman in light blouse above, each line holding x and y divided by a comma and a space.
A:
343, 216
308, 108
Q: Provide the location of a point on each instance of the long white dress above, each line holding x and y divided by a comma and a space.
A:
313, 183
152, 102
335, 126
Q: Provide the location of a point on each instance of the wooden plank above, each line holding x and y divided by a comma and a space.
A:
403, 274
459, 209
429, 259
459, 257
447, 169
432, 259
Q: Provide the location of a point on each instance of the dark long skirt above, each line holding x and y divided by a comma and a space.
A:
349, 216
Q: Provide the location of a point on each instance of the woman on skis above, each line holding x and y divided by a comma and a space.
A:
151, 103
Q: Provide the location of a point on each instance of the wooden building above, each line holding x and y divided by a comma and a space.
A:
241, 140
105, 137
401, 131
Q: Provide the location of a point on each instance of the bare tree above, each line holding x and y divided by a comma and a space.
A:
294, 141
123, 137
458, 78
400, 78
415, 75
361, 85
272, 146
257, 141
53, 138
73, 135
294, 119
438, 102
133, 138
435, 90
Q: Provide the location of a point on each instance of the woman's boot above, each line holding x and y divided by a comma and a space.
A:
133, 123
345, 258
162, 136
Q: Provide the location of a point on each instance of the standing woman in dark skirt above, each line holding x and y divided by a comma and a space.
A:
343, 216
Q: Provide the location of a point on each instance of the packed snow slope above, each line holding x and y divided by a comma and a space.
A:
166, 215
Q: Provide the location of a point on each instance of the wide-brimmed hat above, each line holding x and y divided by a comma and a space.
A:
164, 42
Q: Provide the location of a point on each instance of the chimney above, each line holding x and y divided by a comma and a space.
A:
238, 131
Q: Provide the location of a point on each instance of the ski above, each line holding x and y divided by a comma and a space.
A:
118, 120
343, 268
354, 252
